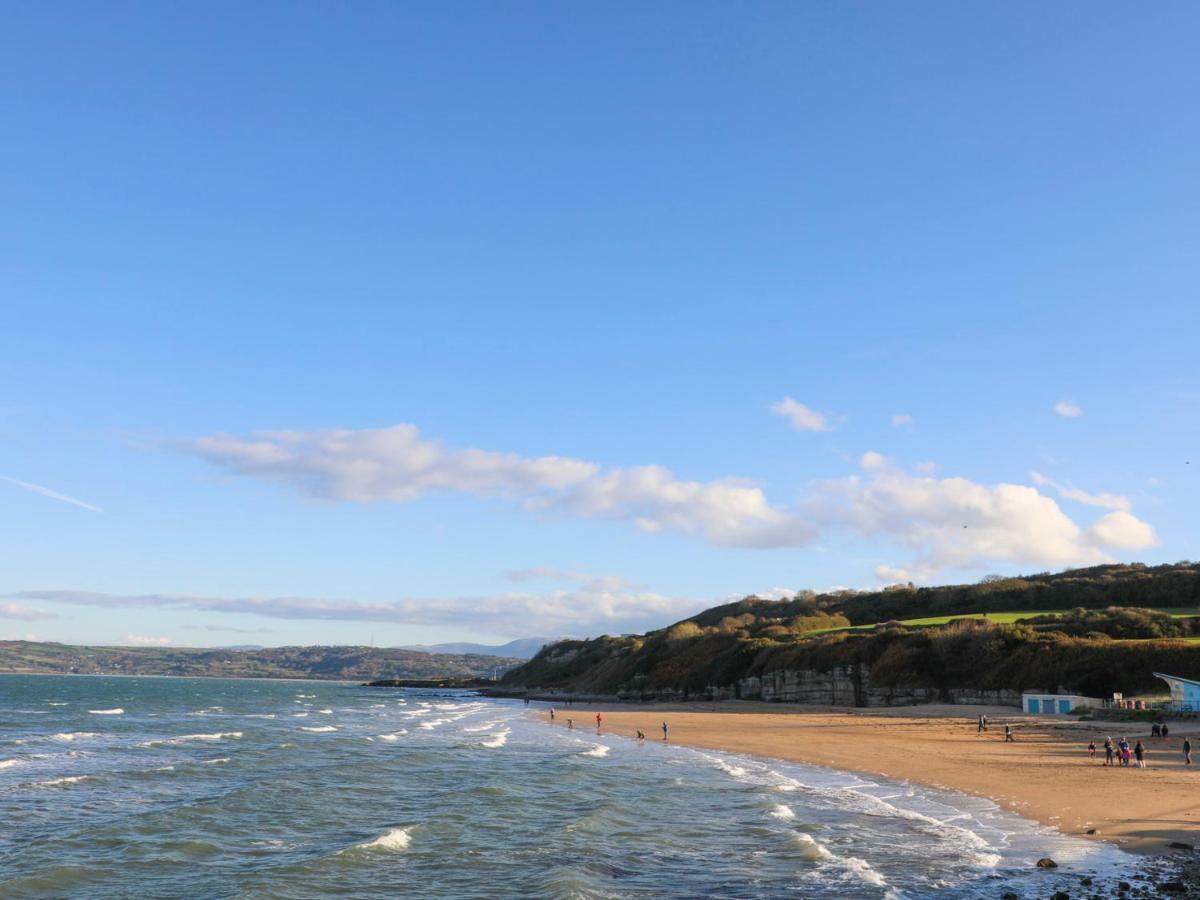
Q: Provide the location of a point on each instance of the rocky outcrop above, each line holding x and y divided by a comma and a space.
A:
849, 686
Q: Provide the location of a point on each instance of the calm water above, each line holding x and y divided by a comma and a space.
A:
118, 787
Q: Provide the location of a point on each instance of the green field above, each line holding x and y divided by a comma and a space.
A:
1007, 618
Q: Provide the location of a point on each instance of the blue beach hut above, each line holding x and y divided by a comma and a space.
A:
1185, 693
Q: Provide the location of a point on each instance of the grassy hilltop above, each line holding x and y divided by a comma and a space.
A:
1095, 631
356, 663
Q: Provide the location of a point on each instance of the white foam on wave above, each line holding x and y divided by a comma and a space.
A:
67, 736
9, 763
808, 846
486, 726
394, 841
780, 811
56, 703
186, 738
59, 782
107, 712
499, 739
394, 736
260, 715
325, 712
220, 760
598, 750
320, 728
861, 869
433, 723
299, 715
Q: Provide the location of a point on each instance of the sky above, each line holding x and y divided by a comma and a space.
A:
410, 322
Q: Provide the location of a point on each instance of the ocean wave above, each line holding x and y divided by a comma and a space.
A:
862, 870
486, 726
56, 702
220, 760
67, 736
394, 841
325, 712
260, 715
394, 736
808, 846
186, 738
107, 712
58, 782
433, 723
780, 811
499, 739
320, 728
9, 763
299, 715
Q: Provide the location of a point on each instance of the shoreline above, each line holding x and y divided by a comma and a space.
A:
1046, 775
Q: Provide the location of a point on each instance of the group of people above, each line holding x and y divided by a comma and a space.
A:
1119, 753
641, 735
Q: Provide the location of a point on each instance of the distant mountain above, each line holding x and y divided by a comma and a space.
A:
522, 648
350, 663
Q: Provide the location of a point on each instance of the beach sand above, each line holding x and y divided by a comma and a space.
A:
1045, 775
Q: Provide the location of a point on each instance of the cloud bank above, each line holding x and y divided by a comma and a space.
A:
945, 522
957, 523
582, 605
397, 464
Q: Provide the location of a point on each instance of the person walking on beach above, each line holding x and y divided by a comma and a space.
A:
1108, 751
571, 723
1155, 730
552, 714
599, 719
1140, 753
641, 735
1008, 735
1187, 752
664, 731
1165, 731
979, 727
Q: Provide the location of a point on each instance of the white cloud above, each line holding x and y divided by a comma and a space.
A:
872, 460
899, 420
1068, 410
145, 640
954, 522
396, 464
802, 417
24, 613
1105, 500
1124, 531
53, 495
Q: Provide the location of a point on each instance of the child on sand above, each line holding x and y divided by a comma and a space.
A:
552, 714
1140, 752
1108, 751
1091, 749
1187, 752
664, 731
641, 735
570, 723
599, 719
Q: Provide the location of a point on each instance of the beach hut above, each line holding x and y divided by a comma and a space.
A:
1185, 693
1042, 703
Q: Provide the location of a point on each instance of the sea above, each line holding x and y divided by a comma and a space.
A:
197, 788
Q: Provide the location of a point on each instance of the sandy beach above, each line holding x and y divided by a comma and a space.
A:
1046, 774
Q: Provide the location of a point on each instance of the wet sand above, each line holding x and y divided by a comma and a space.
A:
1045, 774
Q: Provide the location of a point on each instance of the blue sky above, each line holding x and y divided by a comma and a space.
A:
411, 322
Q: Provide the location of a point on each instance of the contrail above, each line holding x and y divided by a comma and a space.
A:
46, 492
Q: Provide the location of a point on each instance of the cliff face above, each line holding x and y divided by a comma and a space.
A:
843, 686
